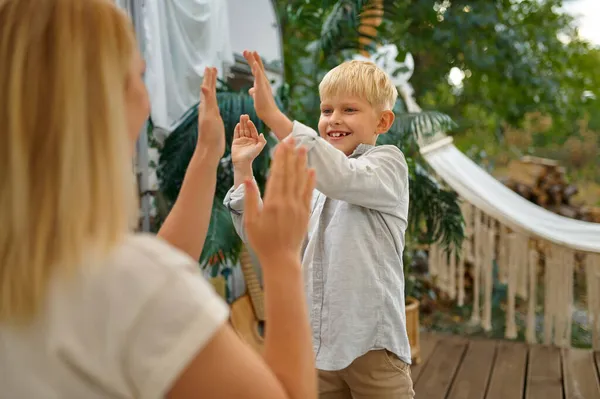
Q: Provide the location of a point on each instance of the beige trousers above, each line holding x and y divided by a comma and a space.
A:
378, 374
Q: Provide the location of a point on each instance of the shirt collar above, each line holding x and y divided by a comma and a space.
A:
361, 149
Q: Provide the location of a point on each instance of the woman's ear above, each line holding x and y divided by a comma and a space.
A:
386, 119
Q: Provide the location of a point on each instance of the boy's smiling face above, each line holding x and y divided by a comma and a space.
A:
347, 121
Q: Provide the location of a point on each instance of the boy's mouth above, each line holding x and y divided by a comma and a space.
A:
337, 135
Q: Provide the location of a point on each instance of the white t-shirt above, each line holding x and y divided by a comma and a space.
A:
125, 328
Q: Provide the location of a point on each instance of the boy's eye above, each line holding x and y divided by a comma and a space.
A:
350, 110
326, 111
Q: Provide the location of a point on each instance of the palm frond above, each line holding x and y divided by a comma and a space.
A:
340, 28
409, 127
434, 212
175, 155
222, 241
181, 143
424, 123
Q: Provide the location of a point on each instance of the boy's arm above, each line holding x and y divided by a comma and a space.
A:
376, 180
245, 147
234, 200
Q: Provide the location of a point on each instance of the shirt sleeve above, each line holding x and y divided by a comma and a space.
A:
376, 180
173, 326
234, 201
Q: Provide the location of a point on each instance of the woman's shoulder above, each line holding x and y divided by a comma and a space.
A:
136, 270
141, 265
151, 250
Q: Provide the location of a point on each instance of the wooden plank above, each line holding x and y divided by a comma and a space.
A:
580, 375
428, 341
539, 160
472, 378
436, 379
544, 373
508, 373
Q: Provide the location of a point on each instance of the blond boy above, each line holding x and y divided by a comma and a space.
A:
352, 258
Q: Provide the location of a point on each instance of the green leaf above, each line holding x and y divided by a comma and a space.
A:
222, 242
425, 123
434, 213
408, 127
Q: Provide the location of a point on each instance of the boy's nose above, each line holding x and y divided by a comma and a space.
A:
335, 119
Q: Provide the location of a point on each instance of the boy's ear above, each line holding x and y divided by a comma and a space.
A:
385, 121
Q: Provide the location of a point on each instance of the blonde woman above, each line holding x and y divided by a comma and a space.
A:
88, 309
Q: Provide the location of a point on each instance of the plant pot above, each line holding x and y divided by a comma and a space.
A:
412, 327
219, 284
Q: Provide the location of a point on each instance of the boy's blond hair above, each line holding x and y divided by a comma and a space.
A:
362, 79
65, 151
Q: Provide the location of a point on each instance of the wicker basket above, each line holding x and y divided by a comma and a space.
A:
412, 327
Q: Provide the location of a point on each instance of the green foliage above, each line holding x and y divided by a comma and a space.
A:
222, 241
317, 36
517, 57
409, 125
434, 213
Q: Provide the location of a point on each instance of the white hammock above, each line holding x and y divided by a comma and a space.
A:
482, 190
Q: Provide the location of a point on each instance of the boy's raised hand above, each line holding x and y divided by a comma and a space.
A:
264, 103
211, 131
247, 143
278, 229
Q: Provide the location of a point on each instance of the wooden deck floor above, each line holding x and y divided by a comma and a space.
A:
455, 367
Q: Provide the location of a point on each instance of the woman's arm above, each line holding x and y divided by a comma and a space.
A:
228, 368
225, 367
186, 225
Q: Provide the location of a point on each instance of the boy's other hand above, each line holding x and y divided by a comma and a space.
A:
264, 103
247, 143
211, 131
278, 230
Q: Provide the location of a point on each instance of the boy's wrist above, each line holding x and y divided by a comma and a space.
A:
241, 172
279, 123
242, 167
276, 264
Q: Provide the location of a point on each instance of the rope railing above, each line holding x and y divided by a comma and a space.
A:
523, 263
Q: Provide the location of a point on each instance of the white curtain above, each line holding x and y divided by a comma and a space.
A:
182, 37
123, 3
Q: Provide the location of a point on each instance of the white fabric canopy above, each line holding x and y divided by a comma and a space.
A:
495, 199
182, 37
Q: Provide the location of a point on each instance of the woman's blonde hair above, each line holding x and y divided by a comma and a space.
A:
65, 152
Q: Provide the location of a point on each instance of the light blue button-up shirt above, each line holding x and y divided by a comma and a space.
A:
352, 258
